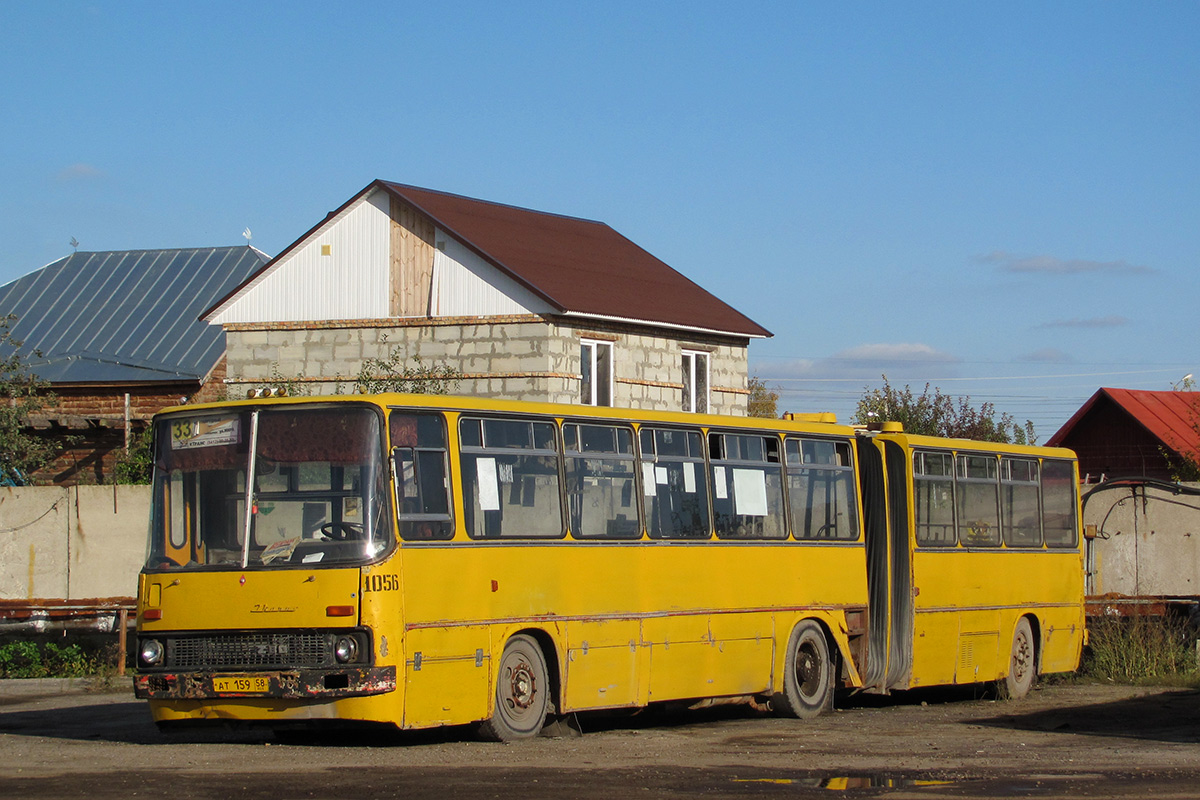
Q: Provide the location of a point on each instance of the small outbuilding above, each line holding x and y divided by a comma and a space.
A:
1133, 433
117, 335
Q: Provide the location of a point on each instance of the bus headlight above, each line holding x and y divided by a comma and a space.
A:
346, 649
152, 652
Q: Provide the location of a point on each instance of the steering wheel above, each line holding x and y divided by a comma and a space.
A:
342, 531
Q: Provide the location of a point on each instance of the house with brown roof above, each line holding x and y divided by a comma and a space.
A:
1120, 433
524, 304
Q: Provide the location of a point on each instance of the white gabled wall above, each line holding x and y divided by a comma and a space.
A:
352, 281
349, 283
464, 285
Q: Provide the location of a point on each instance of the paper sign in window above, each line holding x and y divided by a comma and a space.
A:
660, 476
689, 477
489, 488
750, 492
648, 483
719, 483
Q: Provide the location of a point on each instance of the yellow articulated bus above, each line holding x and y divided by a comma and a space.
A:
425, 561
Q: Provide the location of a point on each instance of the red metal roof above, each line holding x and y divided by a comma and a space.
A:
578, 266
1172, 417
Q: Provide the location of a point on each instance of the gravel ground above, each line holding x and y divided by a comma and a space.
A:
75, 739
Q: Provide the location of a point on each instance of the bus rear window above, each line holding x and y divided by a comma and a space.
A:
1058, 503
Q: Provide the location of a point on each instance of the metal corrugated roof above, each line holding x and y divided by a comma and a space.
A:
1171, 417
128, 316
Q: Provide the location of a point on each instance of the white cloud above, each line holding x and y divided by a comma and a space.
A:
1051, 265
863, 362
895, 352
80, 172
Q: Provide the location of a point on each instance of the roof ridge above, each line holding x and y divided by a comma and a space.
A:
157, 250
456, 196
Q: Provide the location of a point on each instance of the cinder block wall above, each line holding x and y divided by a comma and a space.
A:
509, 358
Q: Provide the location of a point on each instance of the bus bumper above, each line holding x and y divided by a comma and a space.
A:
302, 684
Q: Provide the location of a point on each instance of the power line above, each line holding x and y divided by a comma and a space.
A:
1057, 376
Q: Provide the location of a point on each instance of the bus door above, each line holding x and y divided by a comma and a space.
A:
883, 479
902, 627
872, 486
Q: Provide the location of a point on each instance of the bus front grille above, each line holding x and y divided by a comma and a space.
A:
251, 650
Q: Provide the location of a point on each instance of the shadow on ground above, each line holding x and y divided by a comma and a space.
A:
1169, 716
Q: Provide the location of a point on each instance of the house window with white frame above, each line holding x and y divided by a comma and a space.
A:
695, 381
596, 373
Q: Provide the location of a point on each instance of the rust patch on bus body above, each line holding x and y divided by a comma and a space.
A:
306, 684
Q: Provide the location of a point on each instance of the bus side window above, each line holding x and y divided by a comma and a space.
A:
510, 479
747, 479
601, 489
933, 489
421, 467
1020, 509
1059, 503
673, 484
978, 506
821, 489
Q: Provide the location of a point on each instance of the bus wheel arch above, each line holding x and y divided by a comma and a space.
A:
526, 688
1022, 660
810, 671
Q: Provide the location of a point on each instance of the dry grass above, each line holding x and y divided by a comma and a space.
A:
1141, 649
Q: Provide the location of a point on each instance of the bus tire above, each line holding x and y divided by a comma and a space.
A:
522, 692
808, 673
1022, 662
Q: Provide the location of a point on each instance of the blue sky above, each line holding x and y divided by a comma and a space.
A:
999, 199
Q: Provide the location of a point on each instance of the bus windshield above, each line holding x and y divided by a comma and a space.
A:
315, 496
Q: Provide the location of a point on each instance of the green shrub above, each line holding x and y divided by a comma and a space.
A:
29, 660
136, 465
20, 660
1140, 649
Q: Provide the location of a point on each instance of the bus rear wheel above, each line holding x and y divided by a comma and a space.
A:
808, 673
522, 693
1022, 662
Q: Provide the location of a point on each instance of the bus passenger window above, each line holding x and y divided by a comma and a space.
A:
510, 478
978, 507
673, 484
821, 489
420, 465
601, 488
1059, 503
933, 490
1020, 511
747, 479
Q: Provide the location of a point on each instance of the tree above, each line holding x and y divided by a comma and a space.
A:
763, 402
1184, 466
135, 465
22, 393
940, 414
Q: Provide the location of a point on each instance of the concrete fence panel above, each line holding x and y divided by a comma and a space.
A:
1147, 544
74, 543
107, 540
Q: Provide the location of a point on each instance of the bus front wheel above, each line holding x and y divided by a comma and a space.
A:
808, 673
522, 692
1022, 663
